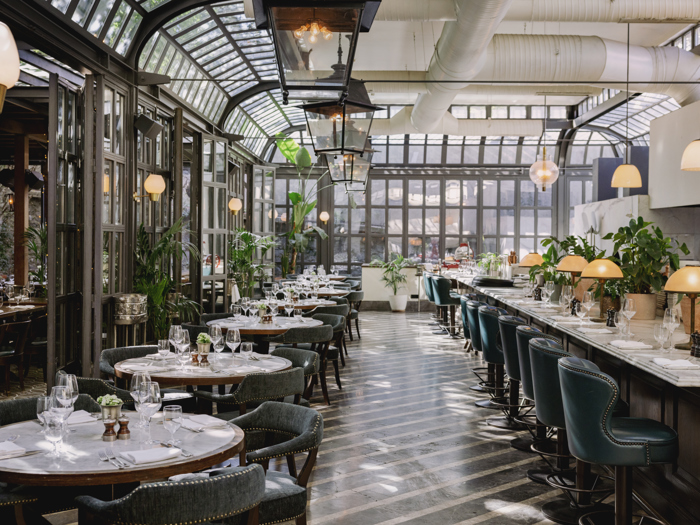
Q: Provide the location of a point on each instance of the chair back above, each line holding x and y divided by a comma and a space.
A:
338, 300
99, 387
341, 286
473, 322
15, 335
284, 419
341, 309
355, 299
428, 286
225, 493
274, 386
589, 397
24, 409
196, 329
337, 322
490, 336
544, 360
524, 334
508, 325
205, 318
355, 285
305, 359
306, 334
111, 356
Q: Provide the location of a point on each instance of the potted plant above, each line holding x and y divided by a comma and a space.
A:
245, 249
548, 269
111, 406
203, 344
265, 318
37, 242
645, 255
490, 263
394, 279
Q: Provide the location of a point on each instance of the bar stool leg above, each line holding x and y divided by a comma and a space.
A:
490, 380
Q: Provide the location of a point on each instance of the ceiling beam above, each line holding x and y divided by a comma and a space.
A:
263, 85
601, 109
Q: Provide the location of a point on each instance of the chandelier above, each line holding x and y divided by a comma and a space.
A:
315, 29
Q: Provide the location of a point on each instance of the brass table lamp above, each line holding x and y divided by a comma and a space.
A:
573, 264
686, 281
530, 260
601, 270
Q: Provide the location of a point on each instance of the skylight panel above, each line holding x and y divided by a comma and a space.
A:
128, 34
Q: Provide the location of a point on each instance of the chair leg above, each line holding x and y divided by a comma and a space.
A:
357, 327
291, 465
337, 374
301, 520
345, 345
254, 516
350, 330
309, 390
340, 351
324, 385
20, 373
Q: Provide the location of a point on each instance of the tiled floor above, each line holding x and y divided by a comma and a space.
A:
404, 443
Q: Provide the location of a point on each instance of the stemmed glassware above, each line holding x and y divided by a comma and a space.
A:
61, 407
629, 308
175, 336
245, 305
53, 432
549, 290
568, 292
43, 409
151, 401
588, 302
288, 308
671, 322
233, 341
661, 334
70, 381
622, 323
581, 312
135, 385
216, 337
163, 348
172, 421
564, 304
247, 350
184, 349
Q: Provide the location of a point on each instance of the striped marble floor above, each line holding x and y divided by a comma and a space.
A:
404, 443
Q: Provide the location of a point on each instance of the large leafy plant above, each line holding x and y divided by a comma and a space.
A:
489, 261
303, 203
557, 250
245, 249
392, 276
151, 277
643, 253
37, 242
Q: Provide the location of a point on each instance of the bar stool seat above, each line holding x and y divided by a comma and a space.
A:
485, 384
468, 345
598, 437
445, 299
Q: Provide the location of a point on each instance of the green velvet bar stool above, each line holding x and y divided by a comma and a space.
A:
517, 407
465, 322
597, 436
579, 485
493, 355
485, 374
443, 298
428, 286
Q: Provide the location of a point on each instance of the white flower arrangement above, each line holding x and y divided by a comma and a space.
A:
109, 400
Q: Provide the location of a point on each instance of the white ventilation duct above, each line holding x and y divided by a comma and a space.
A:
687, 11
400, 124
459, 55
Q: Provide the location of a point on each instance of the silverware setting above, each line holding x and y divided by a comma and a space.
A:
10, 439
182, 450
108, 455
28, 453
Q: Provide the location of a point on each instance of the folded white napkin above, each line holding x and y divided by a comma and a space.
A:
79, 417
10, 450
170, 355
152, 455
595, 330
675, 364
262, 356
202, 421
565, 320
20, 307
629, 344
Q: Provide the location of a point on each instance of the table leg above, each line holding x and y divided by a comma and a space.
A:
263, 344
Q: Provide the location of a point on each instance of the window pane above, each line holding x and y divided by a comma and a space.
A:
452, 221
544, 222
432, 192
378, 192
339, 196
452, 193
544, 198
395, 192
507, 222
415, 247
340, 220
575, 192
357, 223
396, 220
490, 192
507, 193
357, 250
378, 221
469, 224
377, 248
415, 221
526, 246
340, 249
527, 222
470, 192
490, 222
415, 192
395, 245
527, 193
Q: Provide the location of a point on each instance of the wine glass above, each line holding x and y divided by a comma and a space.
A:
175, 335
10, 293
247, 350
568, 292
564, 303
245, 305
549, 288
236, 311
581, 312
30, 289
297, 315
233, 340
588, 302
661, 334
172, 421
53, 432
151, 402
61, 403
288, 308
622, 323
43, 409
671, 321
183, 356
163, 347
629, 308
135, 387
71, 382
215, 333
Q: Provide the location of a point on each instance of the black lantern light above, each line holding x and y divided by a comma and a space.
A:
350, 168
306, 34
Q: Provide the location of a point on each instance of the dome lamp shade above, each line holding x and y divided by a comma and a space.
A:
9, 62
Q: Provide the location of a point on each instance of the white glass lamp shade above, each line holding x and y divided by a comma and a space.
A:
626, 176
544, 172
235, 205
691, 157
9, 62
324, 217
154, 186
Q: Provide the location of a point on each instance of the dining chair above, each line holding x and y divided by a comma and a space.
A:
285, 386
308, 361
196, 329
337, 322
36, 344
24, 409
285, 493
205, 318
13, 340
355, 300
342, 310
111, 356
96, 388
225, 494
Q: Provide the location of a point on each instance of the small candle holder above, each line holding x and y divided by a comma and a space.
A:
610, 321
695, 347
124, 432
109, 433
537, 294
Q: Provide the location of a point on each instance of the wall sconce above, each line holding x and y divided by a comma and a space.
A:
269, 214
9, 58
105, 185
235, 205
11, 201
154, 186
324, 217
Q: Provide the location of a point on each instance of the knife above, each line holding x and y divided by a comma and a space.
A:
28, 453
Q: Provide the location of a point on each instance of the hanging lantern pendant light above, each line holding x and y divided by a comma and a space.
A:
627, 175
544, 170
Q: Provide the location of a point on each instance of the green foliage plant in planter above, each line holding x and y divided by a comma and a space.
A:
489, 263
297, 239
644, 254
37, 242
245, 250
395, 280
151, 278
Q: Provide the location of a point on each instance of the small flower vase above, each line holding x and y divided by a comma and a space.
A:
111, 412
203, 349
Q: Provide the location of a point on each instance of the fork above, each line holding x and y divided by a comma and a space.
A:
102, 453
111, 455
182, 450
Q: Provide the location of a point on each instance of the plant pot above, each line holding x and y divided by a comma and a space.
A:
539, 280
609, 302
111, 412
646, 306
554, 298
398, 302
685, 313
582, 286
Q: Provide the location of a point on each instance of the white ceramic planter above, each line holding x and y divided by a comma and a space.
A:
398, 302
646, 306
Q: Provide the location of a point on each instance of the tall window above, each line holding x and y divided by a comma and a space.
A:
283, 217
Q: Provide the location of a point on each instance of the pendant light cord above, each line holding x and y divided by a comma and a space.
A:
627, 106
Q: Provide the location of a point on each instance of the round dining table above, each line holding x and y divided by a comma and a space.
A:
79, 462
311, 304
260, 332
224, 369
331, 292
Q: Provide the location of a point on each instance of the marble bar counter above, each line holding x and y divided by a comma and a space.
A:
669, 396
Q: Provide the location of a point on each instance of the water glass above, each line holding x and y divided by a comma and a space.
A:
53, 432
661, 334
215, 333
564, 303
135, 388
71, 382
622, 324
629, 308
297, 314
172, 421
163, 347
43, 409
549, 288
581, 312
151, 402
588, 301
247, 350
175, 335
233, 339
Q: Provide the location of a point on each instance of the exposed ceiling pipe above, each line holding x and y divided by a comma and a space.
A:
459, 55
400, 124
681, 11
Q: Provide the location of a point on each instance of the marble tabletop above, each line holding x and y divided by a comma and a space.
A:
224, 369
642, 331
309, 304
79, 463
279, 325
